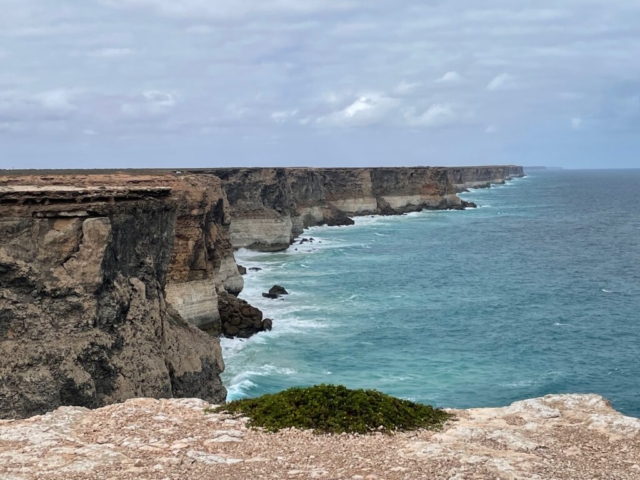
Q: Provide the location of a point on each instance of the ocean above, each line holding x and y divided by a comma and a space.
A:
537, 291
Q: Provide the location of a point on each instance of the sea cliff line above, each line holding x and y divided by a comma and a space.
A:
117, 284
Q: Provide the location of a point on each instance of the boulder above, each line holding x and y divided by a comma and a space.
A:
238, 318
254, 269
278, 290
242, 270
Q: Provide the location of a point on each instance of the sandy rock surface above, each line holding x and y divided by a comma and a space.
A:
555, 437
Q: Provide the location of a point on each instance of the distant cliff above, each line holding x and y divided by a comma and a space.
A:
272, 206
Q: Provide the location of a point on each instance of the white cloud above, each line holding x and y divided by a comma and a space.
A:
438, 115
199, 29
576, 123
450, 77
237, 8
111, 52
502, 81
366, 110
283, 116
406, 87
151, 102
56, 100
89, 132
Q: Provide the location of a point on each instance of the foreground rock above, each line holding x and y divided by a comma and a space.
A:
556, 437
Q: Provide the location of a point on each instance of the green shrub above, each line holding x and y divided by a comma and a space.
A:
335, 409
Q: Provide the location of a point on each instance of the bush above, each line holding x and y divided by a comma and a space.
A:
335, 409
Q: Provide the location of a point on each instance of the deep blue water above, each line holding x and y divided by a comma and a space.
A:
535, 292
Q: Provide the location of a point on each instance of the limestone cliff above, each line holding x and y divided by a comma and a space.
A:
83, 316
482, 177
272, 206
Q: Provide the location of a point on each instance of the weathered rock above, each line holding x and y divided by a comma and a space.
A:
255, 269
563, 437
83, 317
272, 206
239, 319
278, 290
242, 270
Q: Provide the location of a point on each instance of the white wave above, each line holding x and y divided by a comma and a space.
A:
558, 324
607, 291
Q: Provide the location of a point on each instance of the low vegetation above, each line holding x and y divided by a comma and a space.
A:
335, 409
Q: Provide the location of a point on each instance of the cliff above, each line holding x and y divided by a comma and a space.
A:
271, 206
105, 275
564, 437
465, 178
102, 278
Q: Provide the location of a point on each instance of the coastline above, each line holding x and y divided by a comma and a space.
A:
240, 383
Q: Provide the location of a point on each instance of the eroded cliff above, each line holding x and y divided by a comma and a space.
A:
104, 275
271, 206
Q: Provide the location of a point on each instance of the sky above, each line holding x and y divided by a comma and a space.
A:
204, 83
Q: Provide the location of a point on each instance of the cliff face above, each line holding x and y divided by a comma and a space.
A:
270, 206
103, 276
482, 177
83, 316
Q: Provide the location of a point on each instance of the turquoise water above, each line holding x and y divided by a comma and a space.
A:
535, 292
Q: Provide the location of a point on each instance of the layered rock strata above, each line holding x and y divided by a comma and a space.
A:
83, 315
271, 207
465, 178
563, 437
102, 275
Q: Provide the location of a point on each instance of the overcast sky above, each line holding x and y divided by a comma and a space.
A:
164, 83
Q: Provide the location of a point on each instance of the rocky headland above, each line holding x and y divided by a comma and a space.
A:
117, 284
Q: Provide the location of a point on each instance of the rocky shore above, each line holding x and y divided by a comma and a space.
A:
117, 284
556, 437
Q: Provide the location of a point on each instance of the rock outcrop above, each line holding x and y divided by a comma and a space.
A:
83, 316
563, 437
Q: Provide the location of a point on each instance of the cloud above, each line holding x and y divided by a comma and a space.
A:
199, 29
438, 115
406, 87
576, 123
151, 102
111, 52
366, 110
239, 8
450, 77
56, 100
491, 129
501, 82
283, 116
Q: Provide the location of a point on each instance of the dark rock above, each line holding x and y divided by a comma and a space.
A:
270, 295
267, 324
304, 240
242, 270
278, 290
254, 269
238, 318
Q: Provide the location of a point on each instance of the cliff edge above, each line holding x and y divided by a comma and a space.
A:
564, 437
